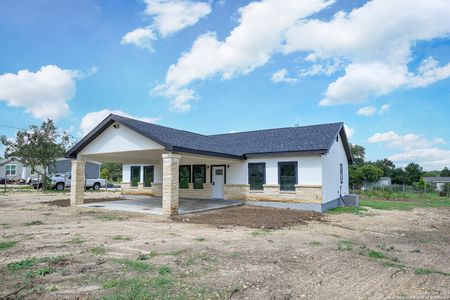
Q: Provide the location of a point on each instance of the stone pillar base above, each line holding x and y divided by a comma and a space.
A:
170, 183
78, 182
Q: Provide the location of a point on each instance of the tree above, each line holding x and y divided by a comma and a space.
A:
414, 172
358, 154
112, 171
399, 176
38, 146
386, 165
445, 172
371, 172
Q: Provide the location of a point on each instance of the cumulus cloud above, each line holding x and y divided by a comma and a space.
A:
384, 108
371, 110
249, 45
140, 37
349, 131
169, 17
282, 76
430, 158
92, 119
408, 141
44, 93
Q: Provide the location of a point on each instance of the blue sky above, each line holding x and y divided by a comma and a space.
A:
380, 66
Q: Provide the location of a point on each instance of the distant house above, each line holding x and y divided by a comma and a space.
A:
14, 170
438, 181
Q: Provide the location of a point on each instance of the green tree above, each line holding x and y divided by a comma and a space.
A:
112, 171
432, 173
414, 172
371, 172
38, 146
386, 165
445, 172
358, 154
399, 176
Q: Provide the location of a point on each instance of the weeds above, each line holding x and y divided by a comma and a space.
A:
200, 239
98, 251
261, 232
135, 264
345, 245
33, 223
164, 270
40, 272
375, 254
147, 256
77, 240
315, 243
7, 245
121, 238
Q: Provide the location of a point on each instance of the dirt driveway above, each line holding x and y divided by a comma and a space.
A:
52, 252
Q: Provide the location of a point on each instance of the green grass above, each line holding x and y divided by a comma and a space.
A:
410, 201
347, 210
33, 223
98, 251
261, 232
7, 245
39, 272
77, 240
121, 238
135, 264
422, 271
23, 264
200, 239
375, 254
315, 243
147, 256
141, 288
164, 270
345, 245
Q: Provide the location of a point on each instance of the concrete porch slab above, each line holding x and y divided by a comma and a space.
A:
153, 205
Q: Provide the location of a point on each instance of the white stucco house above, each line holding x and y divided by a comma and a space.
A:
303, 167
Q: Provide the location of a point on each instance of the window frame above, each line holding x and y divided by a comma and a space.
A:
10, 169
249, 175
280, 164
131, 175
153, 175
189, 176
193, 176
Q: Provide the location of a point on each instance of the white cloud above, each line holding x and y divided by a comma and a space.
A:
281, 76
92, 119
408, 141
170, 16
324, 68
44, 93
140, 37
384, 108
248, 46
349, 131
429, 158
429, 73
366, 111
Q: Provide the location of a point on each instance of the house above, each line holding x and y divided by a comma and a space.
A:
14, 170
439, 182
303, 167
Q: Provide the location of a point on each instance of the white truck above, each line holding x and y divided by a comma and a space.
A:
60, 181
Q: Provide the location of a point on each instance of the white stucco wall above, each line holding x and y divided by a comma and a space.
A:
331, 172
120, 139
126, 172
309, 169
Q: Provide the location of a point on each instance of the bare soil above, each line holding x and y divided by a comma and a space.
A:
66, 202
253, 217
86, 253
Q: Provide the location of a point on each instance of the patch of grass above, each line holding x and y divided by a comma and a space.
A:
387, 248
39, 272
422, 271
392, 264
357, 210
105, 217
164, 270
425, 241
7, 245
200, 239
33, 223
261, 232
121, 238
141, 288
23, 264
375, 254
77, 240
413, 201
345, 245
98, 251
135, 264
147, 256
315, 243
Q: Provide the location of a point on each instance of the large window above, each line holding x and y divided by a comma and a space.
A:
148, 175
135, 175
256, 175
199, 176
185, 176
11, 170
287, 175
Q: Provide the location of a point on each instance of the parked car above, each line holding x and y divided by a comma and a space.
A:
60, 181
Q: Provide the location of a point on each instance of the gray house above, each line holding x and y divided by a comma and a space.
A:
438, 181
14, 170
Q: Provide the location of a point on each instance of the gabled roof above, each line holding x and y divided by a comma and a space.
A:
436, 179
313, 138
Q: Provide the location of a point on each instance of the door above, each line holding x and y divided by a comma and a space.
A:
148, 175
218, 181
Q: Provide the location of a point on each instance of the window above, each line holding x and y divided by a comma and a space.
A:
342, 173
199, 176
10, 170
148, 175
135, 175
337, 138
256, 175
287, 175
185, 176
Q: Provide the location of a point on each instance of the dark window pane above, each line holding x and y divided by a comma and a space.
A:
199, 172
135, 175
256, 175
287, 176
185, 176
148, 175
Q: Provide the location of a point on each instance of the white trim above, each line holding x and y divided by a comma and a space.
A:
15, 169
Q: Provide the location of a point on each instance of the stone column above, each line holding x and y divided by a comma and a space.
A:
77, 182
170, 183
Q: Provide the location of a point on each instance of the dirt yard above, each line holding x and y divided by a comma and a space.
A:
53, 252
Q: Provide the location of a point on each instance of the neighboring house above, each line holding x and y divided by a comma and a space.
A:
302, 167
16, 171
438, 181
382, 182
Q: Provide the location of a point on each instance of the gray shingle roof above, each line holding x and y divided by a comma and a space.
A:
437, 179
313, 138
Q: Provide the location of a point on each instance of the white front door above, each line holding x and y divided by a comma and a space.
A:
218, 180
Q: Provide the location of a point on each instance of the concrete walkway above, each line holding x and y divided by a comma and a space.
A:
153, 205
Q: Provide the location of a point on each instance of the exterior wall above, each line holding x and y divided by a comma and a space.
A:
332, 187
19, 170
92, 170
